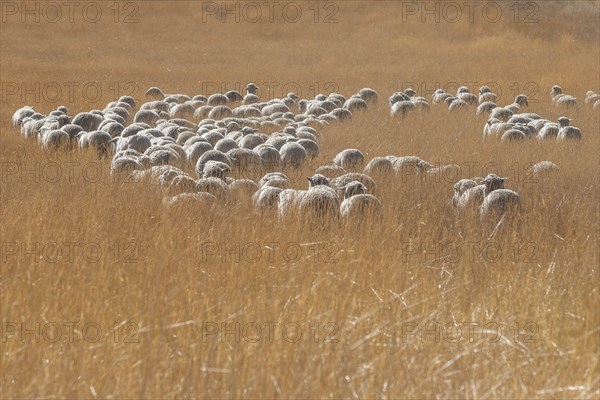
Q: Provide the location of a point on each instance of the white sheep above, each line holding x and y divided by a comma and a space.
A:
498, 200
350, 159
293, 155
566, 131
358, 206
562, 100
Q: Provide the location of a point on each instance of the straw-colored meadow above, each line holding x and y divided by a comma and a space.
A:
105, 293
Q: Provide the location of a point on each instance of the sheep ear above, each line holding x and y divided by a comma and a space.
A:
504, 179
309, 179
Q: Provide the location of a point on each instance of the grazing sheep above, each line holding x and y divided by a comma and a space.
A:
485, 108
456, 104
341, 181
501, 114
149, 117
211, 155
379, 167
498, 200
350, 159
358, 206
549, 131
460, 188
154, 93
591, 97
319, 206
402, 107
543, 169
193, 204
216, 169
217, 99
331, 171
512, 135
293, 155
562, 100
521, 101
567, 132
245, 163
369, 95
21, 114
266, 200
440, 96
214, 186
88, 121
486, 95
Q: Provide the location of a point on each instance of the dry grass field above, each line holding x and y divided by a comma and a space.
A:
107, 294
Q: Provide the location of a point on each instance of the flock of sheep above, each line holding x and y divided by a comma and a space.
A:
242, 148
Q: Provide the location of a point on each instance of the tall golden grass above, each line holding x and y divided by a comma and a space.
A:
378, 309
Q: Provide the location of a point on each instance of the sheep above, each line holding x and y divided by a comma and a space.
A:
251, 88
411, 165
220, 112
149, 117
233, 96
21, 114
211, 155
341, 181
379, 167
498, 200
216, 169
359, 206
368, 95
214, 186
269, 155
293, 155
567, 132
245, 163
200, 204
331, 171
402, 108
591, 97
549, 131
460, 188
319, 205
341, 114
512, 135
543, 169
275, 179
486, 95
350, 159
217, 99
562, 100
501, 113
154, 93
456, 104
99, 140
266, 200
440, 96
485, 108
55, 139
521, 101
88, 121
139, 143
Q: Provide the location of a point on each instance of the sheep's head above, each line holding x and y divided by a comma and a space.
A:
410, 92
317, 180
522, 100
485, 89
251, 88
353, 188
493, 182
563, 121
556, 90
462, 89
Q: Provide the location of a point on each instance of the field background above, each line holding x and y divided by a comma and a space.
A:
372, 285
